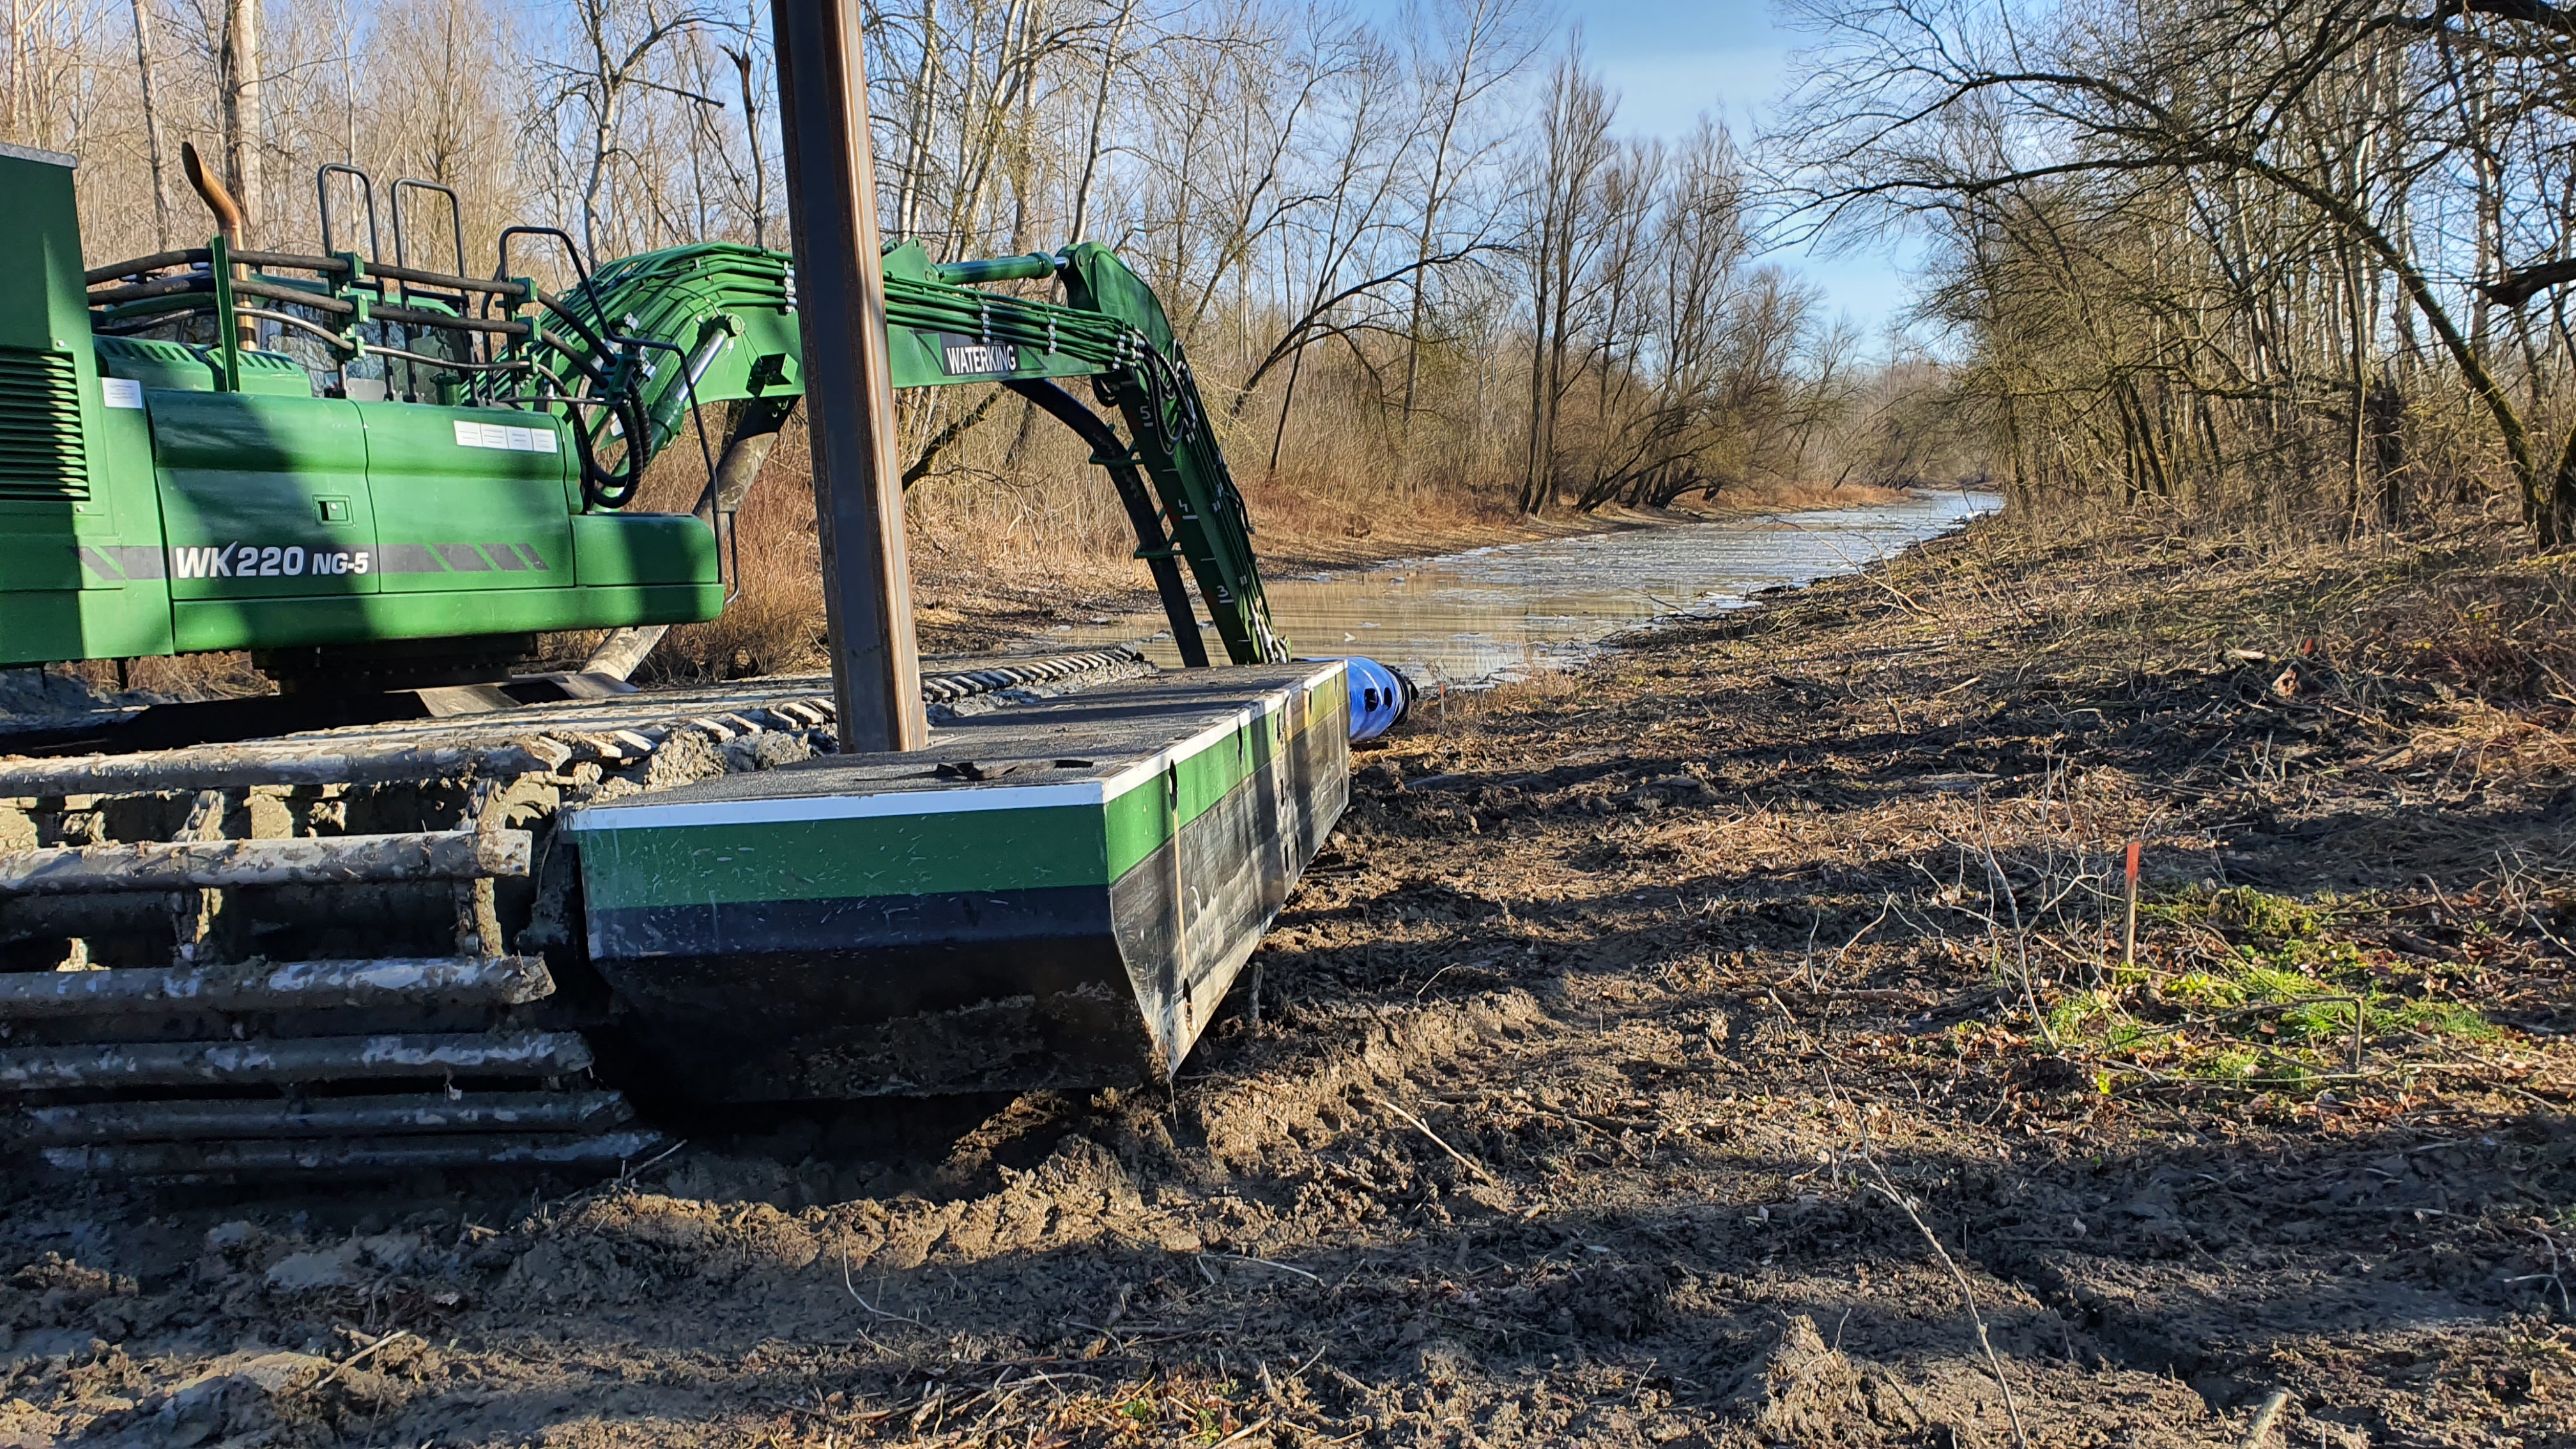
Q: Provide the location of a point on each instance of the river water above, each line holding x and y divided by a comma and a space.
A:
1500, 613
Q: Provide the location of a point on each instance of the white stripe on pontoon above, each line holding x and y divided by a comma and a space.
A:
791, 809
837, 807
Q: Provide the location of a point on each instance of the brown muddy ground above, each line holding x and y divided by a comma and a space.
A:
1722, 1046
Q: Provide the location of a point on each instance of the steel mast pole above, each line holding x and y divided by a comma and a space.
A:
849, 397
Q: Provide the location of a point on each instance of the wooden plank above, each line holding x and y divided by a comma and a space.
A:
230, 767
261, 986
224, 864
293, 1059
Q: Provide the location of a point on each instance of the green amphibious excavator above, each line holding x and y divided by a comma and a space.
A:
372, 475
331, 931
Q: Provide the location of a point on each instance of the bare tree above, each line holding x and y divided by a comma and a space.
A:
618, 44
238, 85
1483, 45
2247, 192
1573, 148
148, 94
1110, 62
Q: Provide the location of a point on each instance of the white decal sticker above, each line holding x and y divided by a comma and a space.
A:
507, 440
267, 561
121, 392
964, 358
202, 563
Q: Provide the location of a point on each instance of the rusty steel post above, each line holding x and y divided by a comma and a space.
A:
849, 397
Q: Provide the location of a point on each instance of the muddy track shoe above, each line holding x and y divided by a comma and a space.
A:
216, 1067
248, 960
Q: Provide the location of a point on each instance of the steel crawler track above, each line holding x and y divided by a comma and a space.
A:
356, 951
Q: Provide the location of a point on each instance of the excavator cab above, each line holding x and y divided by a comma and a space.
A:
302, 455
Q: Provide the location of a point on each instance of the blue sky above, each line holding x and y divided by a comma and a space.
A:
1671, 61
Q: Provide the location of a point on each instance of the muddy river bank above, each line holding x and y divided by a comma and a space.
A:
1508, 611
1731, 1040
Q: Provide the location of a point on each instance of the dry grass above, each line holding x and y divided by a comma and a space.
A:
223, 675
2344, 764
2468, 606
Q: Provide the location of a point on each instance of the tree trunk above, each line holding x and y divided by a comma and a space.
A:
907, 205
164, 211
751, 132
1454, 104
240, 84
1287, 400
1099, 118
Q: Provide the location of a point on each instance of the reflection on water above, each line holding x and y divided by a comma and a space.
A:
1500, 613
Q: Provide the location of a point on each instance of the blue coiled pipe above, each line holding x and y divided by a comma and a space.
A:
1380, 697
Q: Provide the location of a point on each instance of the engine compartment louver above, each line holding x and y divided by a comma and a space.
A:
42, 457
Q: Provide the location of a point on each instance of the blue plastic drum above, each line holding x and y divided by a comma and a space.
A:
1380, 697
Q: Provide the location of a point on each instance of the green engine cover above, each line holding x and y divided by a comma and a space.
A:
78, 537
158, 497
146, 510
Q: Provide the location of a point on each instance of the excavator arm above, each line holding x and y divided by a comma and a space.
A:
641, 346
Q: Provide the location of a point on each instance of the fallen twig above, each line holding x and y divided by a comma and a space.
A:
1836, 964
1283, 1267
2261, 1428
2001, 885
862, 1302
1967, 1293
2551, 1277
1463, 1160
627, 1174
353, 1360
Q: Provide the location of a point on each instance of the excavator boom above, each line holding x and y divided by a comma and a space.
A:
714, 323
357, 468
